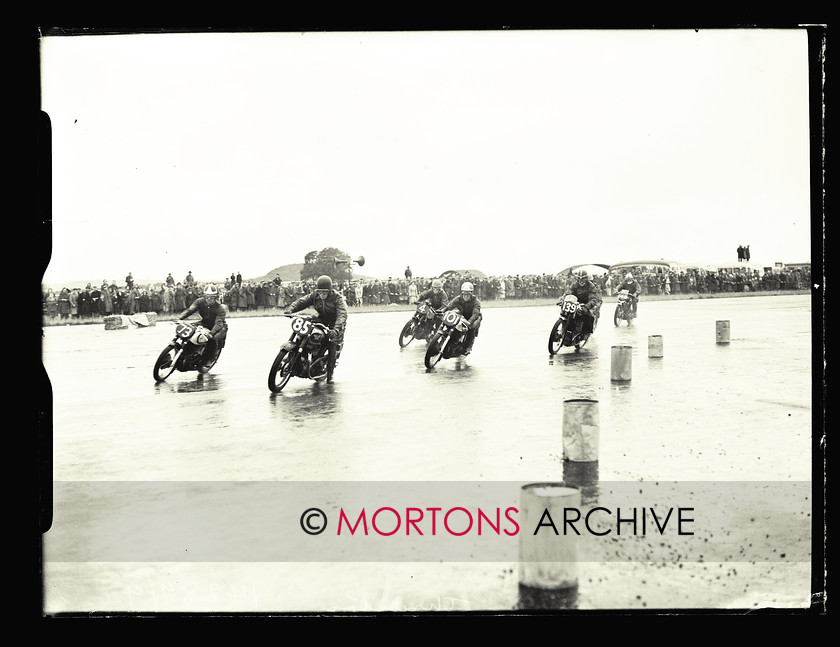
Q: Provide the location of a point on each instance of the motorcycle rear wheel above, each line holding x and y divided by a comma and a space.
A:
434, 351
281, 370
205, 368
318, 369
555, 339
170, 354
407, 333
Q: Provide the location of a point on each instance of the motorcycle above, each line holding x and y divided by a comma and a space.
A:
624, 308
568, 329
422, 325
304, 355
449, 340
185, 352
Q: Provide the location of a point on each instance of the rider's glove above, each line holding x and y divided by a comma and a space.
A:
332, 334
584, 310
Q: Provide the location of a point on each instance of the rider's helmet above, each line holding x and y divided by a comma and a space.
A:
437, 285
211, 291
628, 276
323, 286
467, 290
583, 277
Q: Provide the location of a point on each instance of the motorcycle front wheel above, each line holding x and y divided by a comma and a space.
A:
281, 370
617, 317
407, 333
555, 339
165, 364
434, 351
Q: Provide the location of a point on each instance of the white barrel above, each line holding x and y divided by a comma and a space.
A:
581, 430
547, 559
722, 332
622, 363
655, 346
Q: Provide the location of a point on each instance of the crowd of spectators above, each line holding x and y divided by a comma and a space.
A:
169, 297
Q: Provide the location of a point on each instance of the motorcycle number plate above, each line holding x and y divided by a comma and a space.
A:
451, 318
301, 325
184, 330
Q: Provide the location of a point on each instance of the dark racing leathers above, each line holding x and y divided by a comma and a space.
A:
632, 286
332, 312
589, 296
436, 299
213, 318
470, 309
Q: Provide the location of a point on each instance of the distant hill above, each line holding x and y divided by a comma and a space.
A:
290, 273
285, 272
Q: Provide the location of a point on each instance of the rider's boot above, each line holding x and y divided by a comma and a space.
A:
208, 359
332, 357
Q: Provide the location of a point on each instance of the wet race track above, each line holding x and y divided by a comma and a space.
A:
703, 412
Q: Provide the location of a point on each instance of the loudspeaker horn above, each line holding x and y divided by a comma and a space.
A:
359, 261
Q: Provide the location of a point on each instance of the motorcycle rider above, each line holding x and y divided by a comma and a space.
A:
213, 316
332, 312
589, 296
632, 285
469, 306
435, 295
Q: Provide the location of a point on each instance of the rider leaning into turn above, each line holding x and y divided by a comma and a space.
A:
332, 312
470, 308
632, 286
436, 295
213, 316
589, 296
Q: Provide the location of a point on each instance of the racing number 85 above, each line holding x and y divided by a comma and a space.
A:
301, 325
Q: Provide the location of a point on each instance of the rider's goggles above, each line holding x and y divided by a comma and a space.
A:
322, 294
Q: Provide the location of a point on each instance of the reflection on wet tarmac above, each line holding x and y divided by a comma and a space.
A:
317, 400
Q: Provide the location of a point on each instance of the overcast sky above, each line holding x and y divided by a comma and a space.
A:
506, 151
